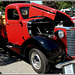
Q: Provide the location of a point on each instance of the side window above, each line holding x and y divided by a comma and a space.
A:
24, 12
13, 14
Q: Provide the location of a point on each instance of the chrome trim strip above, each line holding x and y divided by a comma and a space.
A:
67, 28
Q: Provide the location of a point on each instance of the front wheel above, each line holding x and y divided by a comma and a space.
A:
39, 61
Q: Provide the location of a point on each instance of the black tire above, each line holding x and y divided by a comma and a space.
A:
45, 66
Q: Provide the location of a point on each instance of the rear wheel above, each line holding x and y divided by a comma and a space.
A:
38, 61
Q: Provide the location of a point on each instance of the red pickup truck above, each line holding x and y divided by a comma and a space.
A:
42, 34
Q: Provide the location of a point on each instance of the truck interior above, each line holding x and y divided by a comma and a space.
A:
13, 13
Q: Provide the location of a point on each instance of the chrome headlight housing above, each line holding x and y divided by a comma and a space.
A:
60, 34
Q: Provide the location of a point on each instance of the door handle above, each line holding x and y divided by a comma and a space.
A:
7, 23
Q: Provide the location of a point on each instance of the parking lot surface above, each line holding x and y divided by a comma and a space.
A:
12, 64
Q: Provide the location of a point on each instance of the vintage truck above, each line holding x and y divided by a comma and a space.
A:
43, 35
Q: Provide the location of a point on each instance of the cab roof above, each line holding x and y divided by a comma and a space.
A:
17, 5
20, 4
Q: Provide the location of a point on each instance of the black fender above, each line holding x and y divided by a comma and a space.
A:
47, 46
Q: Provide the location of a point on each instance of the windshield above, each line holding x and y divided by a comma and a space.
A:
24, 12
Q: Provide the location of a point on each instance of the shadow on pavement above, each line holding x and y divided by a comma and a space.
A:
0, 73
55, 71
6, 58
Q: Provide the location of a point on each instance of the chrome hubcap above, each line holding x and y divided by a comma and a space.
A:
36, 61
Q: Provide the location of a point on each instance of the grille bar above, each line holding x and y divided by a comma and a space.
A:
71, 42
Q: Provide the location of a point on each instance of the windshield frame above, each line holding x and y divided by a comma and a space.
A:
27, 8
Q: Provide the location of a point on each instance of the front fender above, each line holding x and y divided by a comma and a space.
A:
47, 46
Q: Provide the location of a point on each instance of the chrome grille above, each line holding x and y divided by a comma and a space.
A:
71, 42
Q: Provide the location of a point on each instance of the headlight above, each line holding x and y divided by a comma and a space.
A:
60, 34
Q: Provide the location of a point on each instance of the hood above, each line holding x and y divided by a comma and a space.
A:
44, 11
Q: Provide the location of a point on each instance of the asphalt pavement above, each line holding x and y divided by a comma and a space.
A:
12, 64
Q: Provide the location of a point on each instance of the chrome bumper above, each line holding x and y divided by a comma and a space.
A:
60, 65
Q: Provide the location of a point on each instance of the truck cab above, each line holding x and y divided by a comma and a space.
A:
42, 34
16, 24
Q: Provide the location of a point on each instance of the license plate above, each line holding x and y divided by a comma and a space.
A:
68, 69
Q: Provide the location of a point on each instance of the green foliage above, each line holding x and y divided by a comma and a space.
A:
59, 4
64, 4
50, 4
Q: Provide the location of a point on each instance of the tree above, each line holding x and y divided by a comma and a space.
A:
63, 4
59, 4
50, 4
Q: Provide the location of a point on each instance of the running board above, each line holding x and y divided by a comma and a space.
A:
13, 48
